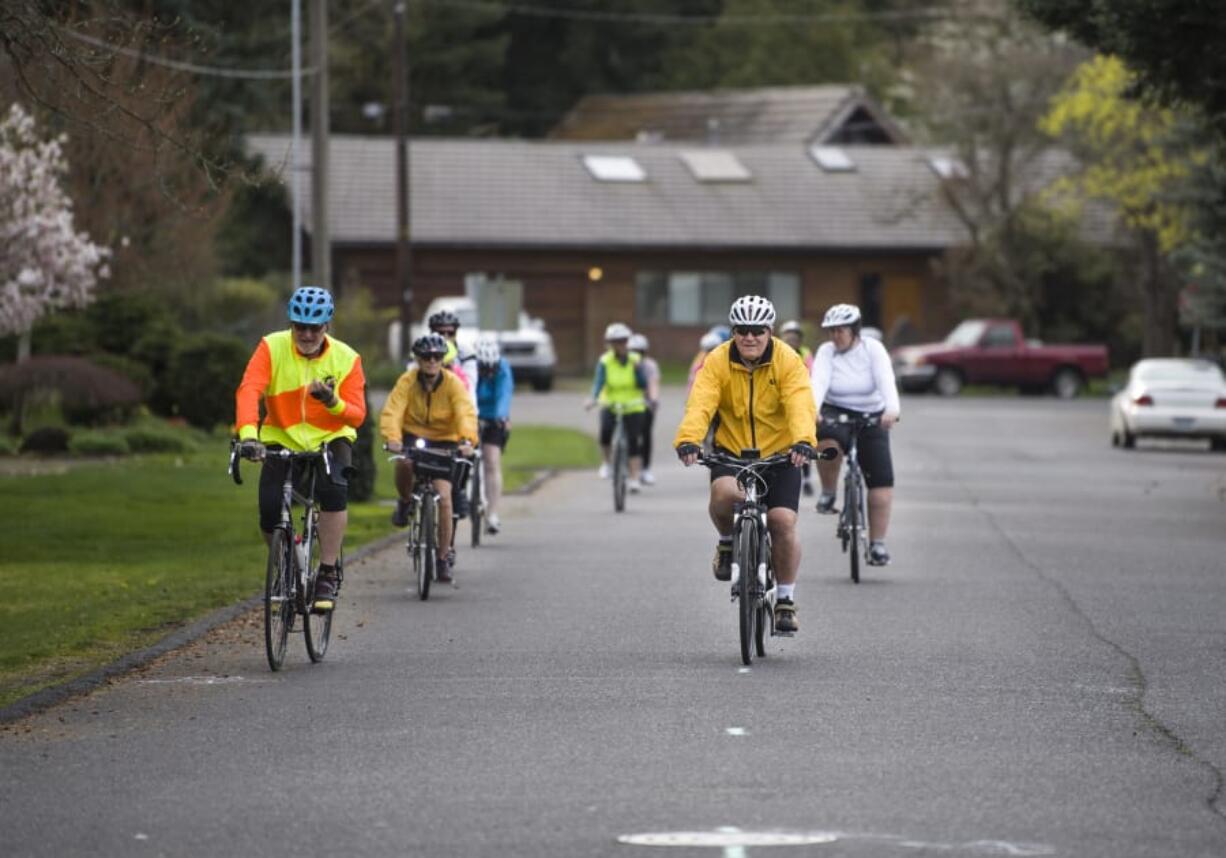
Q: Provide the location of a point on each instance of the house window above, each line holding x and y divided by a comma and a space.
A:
703, 297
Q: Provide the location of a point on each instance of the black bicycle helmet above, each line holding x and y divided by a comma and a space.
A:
430, 345
444, 319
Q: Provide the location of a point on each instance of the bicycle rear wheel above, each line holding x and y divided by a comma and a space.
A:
620, 468
317, 626
428, 546
746, 555
476, 507
278, 603
851, 500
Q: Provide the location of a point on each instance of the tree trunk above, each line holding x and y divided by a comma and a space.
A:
1158, 300
23, 346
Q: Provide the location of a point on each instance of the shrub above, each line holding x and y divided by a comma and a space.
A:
87, 392
45, 441
203, 377
8, 447
151, 439
362, 482
98, 444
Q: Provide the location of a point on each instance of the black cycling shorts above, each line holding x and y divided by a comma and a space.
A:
782, 483
495, 432
332, 495
634, 429
873, 449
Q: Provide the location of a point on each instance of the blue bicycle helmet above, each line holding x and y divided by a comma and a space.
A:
310, 305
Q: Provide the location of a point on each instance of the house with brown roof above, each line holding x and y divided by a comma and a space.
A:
830, 114
660, 236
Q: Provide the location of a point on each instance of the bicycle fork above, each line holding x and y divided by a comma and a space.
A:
763, 548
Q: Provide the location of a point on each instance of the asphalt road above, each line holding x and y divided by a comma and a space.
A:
1039, 673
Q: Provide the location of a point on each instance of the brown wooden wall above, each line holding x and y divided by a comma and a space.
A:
576, 309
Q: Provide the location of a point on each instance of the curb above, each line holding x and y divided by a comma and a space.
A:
48, 697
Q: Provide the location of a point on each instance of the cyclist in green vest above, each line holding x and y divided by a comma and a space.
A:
620, 383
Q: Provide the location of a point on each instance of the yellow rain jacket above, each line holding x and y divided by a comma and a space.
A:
770, 408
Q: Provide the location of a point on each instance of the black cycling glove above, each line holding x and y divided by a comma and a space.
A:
804, 449
687, 449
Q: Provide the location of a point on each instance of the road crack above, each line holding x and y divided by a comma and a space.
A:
1139, 683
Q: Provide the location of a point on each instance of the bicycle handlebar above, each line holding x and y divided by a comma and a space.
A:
236, 456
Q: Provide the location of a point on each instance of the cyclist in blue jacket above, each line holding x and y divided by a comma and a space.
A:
494, 387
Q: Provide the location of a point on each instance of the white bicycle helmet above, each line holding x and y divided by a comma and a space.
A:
488, 351
616, 331
709, 341
638, 343
791, 327
752, 310
840, 315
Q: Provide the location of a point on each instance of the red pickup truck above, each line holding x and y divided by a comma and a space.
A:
993, 351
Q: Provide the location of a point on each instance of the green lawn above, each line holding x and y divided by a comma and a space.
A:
108, 556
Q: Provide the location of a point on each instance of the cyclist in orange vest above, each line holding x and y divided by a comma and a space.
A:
314, 392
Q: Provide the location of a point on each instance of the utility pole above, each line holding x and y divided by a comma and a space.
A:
400, 122
321, 237
295, 159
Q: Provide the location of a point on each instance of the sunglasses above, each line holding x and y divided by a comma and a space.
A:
446, 332
749, 330
303, 328
429, 358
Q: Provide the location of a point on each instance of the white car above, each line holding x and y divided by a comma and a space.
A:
1173, 398
528, 350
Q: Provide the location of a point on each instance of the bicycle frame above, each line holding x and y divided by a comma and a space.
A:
852, 529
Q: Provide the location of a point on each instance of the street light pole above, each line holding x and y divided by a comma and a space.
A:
321, 238
400, 121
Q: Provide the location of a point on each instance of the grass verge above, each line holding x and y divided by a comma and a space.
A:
106, 557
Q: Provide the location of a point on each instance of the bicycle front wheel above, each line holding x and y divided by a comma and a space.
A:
317, 626
278, 601
746, 555
476, 508
621, 467
428, 546
851, 501
764, 615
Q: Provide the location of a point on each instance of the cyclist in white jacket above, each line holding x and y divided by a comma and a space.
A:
853, 374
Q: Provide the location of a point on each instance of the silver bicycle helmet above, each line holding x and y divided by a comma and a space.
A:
791, 327
488, 351
752, 310
840, 315
638, 343
616, 331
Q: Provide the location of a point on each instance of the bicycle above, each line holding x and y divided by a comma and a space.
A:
753, 573
619, 456
851, 530
476, 495
422, 543
293, 558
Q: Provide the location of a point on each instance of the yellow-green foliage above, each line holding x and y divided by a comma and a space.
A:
1131, 157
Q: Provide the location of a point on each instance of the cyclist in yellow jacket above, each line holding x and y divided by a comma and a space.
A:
759, 388
432, 404
314, 392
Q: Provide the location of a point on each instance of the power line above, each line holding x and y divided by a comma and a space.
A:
927, 13
208, 71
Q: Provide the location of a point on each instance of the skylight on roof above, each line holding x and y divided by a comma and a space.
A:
714, 165
614, 168
947, 167
832, 159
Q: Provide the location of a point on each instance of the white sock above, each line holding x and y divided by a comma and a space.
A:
786, 590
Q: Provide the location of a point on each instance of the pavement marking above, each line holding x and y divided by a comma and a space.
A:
735, 731
197, 680
734, 841
141, 836
745, 670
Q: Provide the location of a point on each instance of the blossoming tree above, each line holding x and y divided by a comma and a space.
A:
45, 265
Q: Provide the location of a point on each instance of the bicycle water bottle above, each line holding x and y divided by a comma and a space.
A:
300, 552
